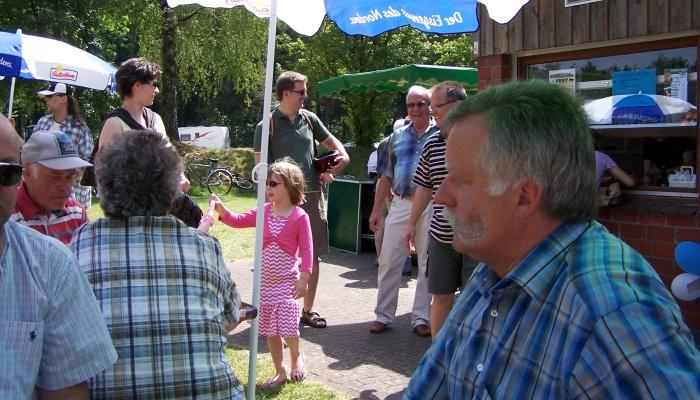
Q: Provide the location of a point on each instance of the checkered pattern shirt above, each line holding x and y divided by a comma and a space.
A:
582, 316
400, 157
52, 334
430, 173
59, 224
166, 295
84, 143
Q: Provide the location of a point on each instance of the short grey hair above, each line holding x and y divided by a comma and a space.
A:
419, 90
536, 131
138, 174
454, 91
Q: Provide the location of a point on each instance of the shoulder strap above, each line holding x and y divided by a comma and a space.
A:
149, 117
305, 114
272, 125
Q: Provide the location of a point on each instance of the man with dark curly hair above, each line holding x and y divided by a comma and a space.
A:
163, 288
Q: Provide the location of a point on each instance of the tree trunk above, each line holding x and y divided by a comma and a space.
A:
170, 74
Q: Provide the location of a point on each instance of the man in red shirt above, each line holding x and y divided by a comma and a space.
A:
51, 167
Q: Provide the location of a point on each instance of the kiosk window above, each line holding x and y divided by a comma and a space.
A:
641, 104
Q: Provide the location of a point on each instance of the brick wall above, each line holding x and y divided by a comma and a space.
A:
655, 236
494, 70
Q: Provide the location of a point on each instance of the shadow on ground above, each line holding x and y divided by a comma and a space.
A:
345, 355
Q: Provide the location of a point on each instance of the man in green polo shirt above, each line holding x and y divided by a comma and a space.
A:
294, 133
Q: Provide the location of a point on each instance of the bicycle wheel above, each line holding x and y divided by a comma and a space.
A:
219, 182
242, 182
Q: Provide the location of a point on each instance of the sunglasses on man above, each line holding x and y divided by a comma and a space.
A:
10, 174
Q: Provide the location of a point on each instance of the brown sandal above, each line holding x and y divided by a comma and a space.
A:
312, 319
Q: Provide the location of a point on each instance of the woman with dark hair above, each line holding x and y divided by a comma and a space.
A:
64, 115
137, 86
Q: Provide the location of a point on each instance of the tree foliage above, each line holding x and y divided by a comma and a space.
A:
213, 61
331, 53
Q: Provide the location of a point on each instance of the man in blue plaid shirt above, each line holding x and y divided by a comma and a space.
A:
64, 115
558, 308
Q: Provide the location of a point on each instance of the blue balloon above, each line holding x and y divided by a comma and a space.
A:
688, 257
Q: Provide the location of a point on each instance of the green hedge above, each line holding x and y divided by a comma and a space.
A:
241, 159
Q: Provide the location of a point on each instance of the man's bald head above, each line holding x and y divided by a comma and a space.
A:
10, 144
9, 139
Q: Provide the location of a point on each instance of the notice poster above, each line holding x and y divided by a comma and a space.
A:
633, 82
676, 83
565, 78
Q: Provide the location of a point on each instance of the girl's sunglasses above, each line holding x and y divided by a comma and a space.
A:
273, 183
10, 174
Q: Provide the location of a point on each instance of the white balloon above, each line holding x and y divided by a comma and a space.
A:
686, 287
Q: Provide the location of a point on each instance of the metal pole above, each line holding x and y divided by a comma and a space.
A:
12, 95
260, 173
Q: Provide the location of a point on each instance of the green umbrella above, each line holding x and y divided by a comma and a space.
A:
398, 79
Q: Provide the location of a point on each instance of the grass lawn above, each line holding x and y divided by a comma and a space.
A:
237, 244
238, 358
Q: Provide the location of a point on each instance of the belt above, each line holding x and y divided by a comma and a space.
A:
406, 197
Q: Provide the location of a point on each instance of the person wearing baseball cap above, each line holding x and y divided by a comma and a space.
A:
64, 115
52, 164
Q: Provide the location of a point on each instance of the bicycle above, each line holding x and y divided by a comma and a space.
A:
218, 179
241, 181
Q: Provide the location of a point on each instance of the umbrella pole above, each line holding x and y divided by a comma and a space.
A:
261, 178
12, 95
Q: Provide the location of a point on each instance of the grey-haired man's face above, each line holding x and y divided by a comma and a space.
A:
49, 188
440, 105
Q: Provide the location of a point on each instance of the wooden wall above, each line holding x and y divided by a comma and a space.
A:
543, 24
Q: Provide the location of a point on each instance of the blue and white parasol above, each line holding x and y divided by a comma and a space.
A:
34, 57
636, 109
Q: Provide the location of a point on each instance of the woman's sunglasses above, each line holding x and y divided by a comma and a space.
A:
273, 183
10, 174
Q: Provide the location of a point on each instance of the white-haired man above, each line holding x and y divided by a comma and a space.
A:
448, 269
397, 166
51, 166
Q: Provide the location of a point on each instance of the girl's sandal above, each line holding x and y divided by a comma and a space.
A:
312, 319
273, 383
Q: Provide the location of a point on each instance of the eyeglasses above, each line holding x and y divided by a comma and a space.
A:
439, 106
417, 105
301, 92
272, 184
10, 174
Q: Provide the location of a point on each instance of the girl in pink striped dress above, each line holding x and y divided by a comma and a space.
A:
283, 280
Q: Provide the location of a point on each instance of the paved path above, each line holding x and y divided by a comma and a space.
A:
345, 356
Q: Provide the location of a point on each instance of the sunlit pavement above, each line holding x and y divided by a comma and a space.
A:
345, 356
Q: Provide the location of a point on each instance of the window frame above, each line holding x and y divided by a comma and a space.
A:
635, 131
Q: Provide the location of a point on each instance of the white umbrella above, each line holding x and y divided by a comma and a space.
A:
354, 17
34, 57
635, 109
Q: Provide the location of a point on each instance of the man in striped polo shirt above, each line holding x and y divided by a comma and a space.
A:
51, 167
447, 268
